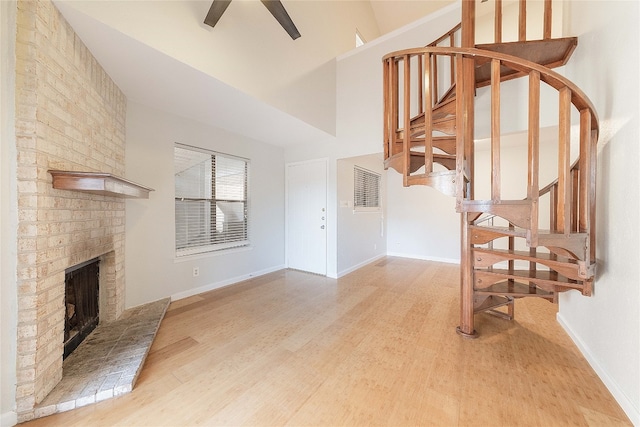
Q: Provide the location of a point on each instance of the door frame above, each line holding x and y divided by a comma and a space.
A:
325, 161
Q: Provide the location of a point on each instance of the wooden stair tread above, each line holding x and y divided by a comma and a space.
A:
543, 275
443, 181
515, 289
550, 53
445, 143
504, 231
445, 124
436, 174
435, 155
571, 268
521, 232
527, 256
417, 161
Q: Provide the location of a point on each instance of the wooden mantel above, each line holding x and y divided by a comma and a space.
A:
104, 184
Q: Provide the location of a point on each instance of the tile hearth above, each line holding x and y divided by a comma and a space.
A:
107, 363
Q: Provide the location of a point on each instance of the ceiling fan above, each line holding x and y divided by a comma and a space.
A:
274, 6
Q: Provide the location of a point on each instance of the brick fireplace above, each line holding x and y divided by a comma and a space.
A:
69, 116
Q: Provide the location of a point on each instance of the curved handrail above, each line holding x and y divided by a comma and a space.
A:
578, 98
574, 201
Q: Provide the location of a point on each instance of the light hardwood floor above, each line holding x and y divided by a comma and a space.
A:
376, 347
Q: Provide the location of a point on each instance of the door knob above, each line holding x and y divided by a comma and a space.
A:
322, 227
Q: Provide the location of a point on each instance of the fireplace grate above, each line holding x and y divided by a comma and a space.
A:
81, 302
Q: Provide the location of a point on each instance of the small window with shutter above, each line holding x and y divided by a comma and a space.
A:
366, 190
211, 201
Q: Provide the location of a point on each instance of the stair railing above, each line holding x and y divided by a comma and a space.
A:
405, 128
450, 39
499, 9
414, 109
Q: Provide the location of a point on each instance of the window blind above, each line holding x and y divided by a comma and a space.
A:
211, 201
366, 191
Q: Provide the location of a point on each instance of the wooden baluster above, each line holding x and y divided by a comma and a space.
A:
495, 130
387, 114
522, 21
533, 186
547, 19
460, 152
498, 22
434, 80
553, 207
587, 187
468, 23
406, 142
428, 116
592, 195
586, 176
395, 104
564, 144
574, 199
421, 83
512, 247
532, 268
452, 43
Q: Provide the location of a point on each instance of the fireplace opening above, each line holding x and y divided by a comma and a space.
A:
81, 302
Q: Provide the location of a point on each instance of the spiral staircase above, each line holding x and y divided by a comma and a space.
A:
534, 246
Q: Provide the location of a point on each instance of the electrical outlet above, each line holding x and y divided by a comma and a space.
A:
196, 271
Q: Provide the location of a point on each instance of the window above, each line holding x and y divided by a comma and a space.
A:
366, 190
210, 201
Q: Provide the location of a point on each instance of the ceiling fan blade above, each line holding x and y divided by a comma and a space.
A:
215, 11
278, 11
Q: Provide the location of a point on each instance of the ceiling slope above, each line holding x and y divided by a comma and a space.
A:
152, 78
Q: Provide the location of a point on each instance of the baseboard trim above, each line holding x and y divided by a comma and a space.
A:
424, 258
224, 283
8, 419
632, 411
359, 265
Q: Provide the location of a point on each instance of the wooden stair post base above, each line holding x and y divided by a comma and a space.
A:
472, 335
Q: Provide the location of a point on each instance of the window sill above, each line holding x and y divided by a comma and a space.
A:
211, 254
367, 210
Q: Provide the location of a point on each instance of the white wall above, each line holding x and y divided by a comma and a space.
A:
8, 219
605, 66
248, 49
151, 268
361, 235
422, 223
359, 133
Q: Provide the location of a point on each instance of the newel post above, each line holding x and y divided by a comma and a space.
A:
467, 93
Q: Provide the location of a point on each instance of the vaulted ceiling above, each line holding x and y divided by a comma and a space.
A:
245, 75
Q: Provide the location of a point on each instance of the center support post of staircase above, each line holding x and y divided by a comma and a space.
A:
465, 132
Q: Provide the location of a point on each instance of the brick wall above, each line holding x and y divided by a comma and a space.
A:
69, 116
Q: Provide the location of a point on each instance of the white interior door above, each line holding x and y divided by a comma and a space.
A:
307, 216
